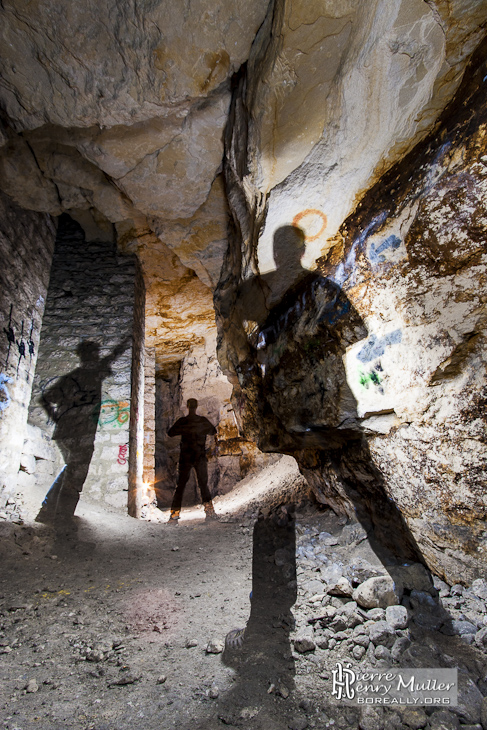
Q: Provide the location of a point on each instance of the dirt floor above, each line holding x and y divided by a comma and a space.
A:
105, 624
113, 623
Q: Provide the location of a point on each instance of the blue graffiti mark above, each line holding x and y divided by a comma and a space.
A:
444, 148
5, 402
376, 347
372, 227
346, 269
375, 253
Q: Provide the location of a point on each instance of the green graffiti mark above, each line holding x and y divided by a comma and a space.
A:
114, 412
278, 350
366, 378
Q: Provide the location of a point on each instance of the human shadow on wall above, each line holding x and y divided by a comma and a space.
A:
296, 343
301, 404
261, 653
74, 404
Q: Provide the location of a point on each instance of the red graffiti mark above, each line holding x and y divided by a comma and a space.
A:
311, 212
122, 454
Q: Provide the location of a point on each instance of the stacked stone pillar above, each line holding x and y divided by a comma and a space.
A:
26, 247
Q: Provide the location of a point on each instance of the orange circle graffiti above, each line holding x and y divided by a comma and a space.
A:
311, 211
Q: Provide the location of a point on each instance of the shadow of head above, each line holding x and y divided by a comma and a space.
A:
88, 352
289, 247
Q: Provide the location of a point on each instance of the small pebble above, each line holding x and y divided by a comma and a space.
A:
215, 646
32, 686
283, 691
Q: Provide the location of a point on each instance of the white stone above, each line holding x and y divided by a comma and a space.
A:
215, 646
397, 617
28, 463
379, 592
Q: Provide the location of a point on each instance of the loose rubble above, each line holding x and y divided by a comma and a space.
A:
397, 615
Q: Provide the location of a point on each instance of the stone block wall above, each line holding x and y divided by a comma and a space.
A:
26, 247
148, 494
82, 389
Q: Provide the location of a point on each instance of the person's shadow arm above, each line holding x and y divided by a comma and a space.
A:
117, 351
213, 451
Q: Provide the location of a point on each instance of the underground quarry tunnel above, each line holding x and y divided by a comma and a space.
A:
278, 210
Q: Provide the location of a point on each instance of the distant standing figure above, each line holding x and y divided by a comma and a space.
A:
193, 430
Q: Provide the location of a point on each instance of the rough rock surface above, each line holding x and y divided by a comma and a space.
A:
371, 369
130, 63
343, 632
128, 127
126, 123
338, 91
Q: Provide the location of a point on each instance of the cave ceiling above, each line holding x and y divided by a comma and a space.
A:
116, 112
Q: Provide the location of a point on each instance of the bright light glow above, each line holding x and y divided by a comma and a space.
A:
249, 492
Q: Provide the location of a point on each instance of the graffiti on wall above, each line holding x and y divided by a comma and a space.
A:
19, 343
122, 454
313, 221
10, 335
5, 398
30, 341
376, 346
372, 378
114, 412
376, 255
20, 347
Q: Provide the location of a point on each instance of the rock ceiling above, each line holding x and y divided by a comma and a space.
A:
120, 108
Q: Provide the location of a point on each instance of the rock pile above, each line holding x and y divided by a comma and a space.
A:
354, 607
13, 510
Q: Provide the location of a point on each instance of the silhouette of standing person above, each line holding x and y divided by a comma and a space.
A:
193, 430
74, 404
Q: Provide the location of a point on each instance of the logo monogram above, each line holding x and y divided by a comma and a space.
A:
343, 680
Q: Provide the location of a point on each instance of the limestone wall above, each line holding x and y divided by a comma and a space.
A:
26, 246
82, 386
371, 368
